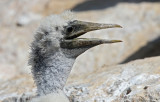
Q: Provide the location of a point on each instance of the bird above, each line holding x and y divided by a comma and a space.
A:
54, 49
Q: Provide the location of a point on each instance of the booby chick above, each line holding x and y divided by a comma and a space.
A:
54, 50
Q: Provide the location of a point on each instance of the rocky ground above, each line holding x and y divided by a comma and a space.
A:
106, 77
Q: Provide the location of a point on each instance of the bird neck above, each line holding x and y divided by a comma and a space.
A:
51, 73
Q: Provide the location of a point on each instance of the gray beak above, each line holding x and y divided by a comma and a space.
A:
78, 28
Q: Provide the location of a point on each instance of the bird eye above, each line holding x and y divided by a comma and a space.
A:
69, 29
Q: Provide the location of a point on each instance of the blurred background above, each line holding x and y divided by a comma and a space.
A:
140, 20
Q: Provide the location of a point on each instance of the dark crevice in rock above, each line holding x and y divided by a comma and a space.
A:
103, 4
151, 49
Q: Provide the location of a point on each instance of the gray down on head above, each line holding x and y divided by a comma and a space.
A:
53, 52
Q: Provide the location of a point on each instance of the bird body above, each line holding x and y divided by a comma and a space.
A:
53, 97
54, 50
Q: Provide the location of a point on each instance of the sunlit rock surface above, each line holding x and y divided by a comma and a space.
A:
141, 25
140, 21
135, 81
96, 75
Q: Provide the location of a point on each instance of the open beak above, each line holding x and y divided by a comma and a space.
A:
79, 28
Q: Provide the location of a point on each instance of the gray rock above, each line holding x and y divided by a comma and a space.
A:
136, 33
99, 79
140, 22
134, 81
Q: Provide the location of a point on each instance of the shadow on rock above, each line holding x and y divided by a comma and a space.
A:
102, 4
151, 49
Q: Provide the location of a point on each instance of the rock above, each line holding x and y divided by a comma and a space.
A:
17, 89
11, 11
7, 72
58, 6
27, 18
136, 33
95, 75
136, 81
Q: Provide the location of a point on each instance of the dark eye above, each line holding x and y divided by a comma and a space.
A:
69, 29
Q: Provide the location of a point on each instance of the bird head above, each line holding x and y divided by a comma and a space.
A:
59, 33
